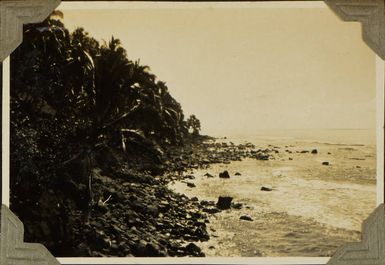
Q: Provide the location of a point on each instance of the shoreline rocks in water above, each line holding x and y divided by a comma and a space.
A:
246, 218
224, 175
224, 202
266, 188
140, 216
190, 185
262, 155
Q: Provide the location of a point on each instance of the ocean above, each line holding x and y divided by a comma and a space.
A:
312, 208
327, 136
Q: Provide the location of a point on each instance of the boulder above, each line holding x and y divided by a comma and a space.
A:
225, 175
153, 250
265, 188
194, 249
140, 249
314, 151
152, 210
237, 205
238, 174
201, 234
325, 163
224, 202
246, 218
262, 156
190, 185
211, 210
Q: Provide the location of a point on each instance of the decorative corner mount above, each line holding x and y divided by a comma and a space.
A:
13, 251
371, 250
15, 13
371, 15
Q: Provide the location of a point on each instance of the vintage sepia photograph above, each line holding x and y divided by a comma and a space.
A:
194, 130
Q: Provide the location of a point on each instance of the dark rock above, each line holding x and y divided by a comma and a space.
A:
290, 158
237, 206
114, 247
201, 233
246, 218
140, 249
211, 210
304, 152
164, 206
138, 206
101, 207
153, 250
225, 175
224, 202
194, 249
263, 188
314, 151
262, 156
325, 163
114, 229
152, 210
190, 185
238, 174
98, 239
190, 177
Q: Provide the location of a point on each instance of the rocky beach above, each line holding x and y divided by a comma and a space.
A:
307, 199
217, 198
110, 159
137, 214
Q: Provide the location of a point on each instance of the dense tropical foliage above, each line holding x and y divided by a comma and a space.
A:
74, 100
193, 124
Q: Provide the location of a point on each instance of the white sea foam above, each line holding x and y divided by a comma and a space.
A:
310, 203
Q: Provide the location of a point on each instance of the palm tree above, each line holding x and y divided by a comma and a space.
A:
193, 124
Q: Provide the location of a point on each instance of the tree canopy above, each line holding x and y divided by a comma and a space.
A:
70, 92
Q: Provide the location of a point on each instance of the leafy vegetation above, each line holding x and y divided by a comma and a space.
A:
193, 124
76, 103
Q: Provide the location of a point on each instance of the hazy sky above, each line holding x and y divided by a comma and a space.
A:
240, 70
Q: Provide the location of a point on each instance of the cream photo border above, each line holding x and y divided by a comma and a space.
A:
370, 251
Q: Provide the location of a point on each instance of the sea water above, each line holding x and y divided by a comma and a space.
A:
312, 208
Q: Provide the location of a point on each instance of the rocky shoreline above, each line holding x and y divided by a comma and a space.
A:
138, 215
